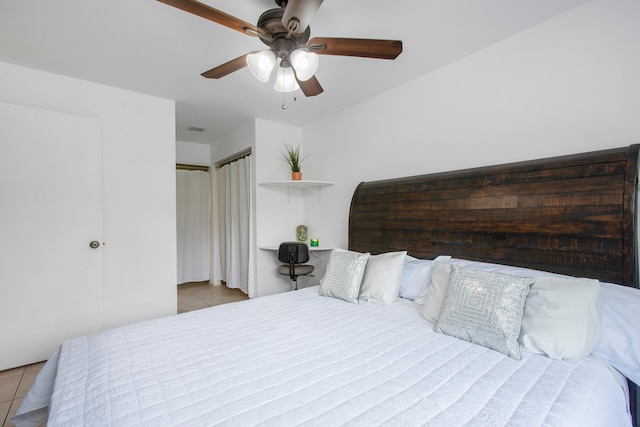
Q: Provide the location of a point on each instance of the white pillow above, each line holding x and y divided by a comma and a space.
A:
620, 323
434, 296
344, 275
562, 318
485, 308
502, 268
415, 277
382, 277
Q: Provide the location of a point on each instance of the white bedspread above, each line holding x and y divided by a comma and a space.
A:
302, 359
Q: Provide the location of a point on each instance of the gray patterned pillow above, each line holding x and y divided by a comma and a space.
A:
344, 275
485, 308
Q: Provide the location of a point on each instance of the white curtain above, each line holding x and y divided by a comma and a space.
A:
232, 232
192, 213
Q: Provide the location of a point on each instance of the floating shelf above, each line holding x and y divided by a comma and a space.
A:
297, 185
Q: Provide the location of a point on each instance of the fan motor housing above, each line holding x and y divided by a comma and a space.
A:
271, 23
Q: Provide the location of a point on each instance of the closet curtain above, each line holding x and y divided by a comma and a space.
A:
193, 231
232, 232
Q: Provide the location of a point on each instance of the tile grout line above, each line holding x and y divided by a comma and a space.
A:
198, 296
13, 398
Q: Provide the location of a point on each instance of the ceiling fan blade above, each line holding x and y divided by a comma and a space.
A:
365, 48
207, 12
310, 87
298, 14
227, 68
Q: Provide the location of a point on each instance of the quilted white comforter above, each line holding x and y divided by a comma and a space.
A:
302, 359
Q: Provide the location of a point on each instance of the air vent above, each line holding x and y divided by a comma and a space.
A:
195, 129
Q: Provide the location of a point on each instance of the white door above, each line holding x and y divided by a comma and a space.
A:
50, 211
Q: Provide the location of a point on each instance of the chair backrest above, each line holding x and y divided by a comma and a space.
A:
295, 252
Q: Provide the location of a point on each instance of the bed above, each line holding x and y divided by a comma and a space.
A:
307, 358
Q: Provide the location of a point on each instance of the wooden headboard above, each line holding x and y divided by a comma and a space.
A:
573, 215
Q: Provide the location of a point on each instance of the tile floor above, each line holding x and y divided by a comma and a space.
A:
197, 295
14, 383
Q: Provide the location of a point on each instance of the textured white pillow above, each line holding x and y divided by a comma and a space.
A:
436, 292
562, 318
382, 277
344, 275
415, 277
620, 344
485, 308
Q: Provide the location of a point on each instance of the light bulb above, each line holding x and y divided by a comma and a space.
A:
286, 80
261, 64
305, 64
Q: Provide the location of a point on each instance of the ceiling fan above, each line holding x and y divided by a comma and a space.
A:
285, 30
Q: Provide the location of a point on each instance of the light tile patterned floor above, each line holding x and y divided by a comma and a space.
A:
14, 383
197, 295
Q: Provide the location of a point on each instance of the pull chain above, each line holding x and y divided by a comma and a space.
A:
284, 103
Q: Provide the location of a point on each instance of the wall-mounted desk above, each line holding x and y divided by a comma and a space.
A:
316, 251
311, 248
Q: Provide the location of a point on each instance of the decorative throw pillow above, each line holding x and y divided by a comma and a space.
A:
485, 308
433, 298
382, 277
344, 274
562, 318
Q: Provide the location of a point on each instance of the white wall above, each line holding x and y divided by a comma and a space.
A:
277, 213
565, 86
190, 153
138, 140
234, 142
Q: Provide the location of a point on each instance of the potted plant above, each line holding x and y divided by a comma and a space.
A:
291, 156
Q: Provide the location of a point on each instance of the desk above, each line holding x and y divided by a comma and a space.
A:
311, 248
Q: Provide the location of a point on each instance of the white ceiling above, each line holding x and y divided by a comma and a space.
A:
149, 47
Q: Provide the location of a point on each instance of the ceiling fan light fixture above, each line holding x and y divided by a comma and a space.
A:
286, 80
261, 64
305, 64
286, 31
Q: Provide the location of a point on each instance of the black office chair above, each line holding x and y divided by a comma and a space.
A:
294, 254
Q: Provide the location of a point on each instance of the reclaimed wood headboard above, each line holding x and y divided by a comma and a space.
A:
573, 215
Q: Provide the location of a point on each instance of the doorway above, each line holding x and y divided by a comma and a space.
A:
193, 223
232, 226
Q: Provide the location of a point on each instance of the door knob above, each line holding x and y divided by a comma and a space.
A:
94, 244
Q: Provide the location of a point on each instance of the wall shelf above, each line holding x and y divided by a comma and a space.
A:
298, 185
